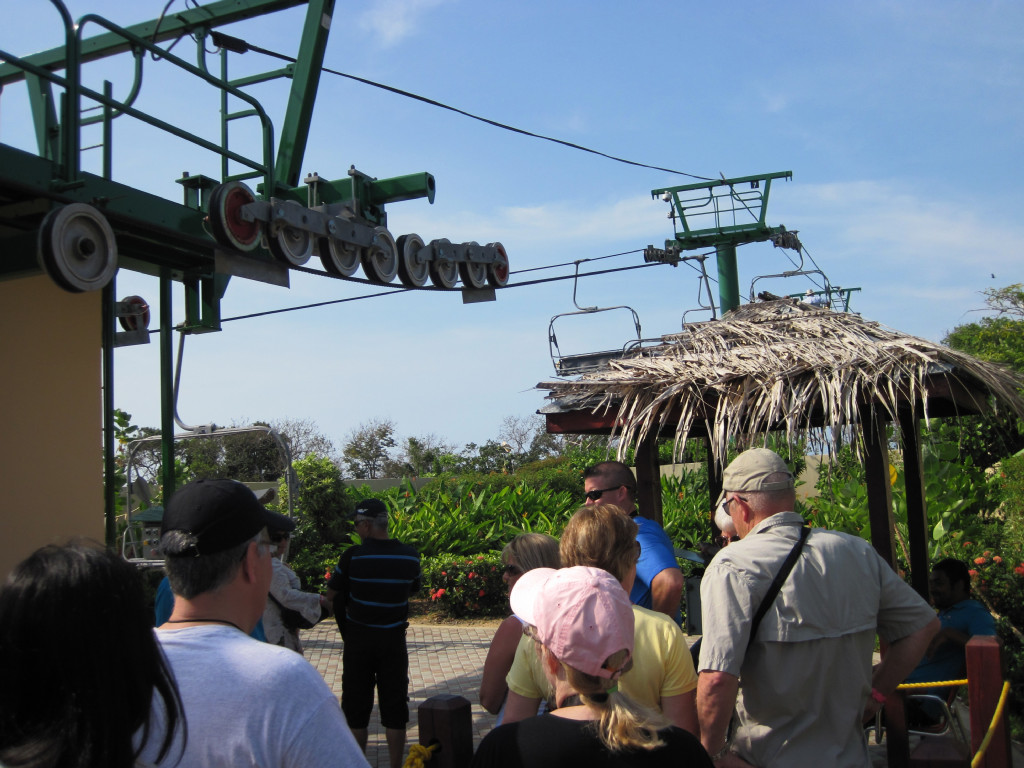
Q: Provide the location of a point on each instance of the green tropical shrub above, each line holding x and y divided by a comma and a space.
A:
466, 586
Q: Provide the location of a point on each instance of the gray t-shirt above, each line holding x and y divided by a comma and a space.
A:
250, 703
806, 679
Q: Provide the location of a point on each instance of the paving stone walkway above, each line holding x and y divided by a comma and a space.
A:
442, 659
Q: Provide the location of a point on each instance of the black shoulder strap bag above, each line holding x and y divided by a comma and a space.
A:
769, 598
777, 582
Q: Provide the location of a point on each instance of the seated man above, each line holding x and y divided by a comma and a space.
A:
960, 617
245, 702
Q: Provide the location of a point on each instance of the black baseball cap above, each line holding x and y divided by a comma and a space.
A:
220, 513
370, 508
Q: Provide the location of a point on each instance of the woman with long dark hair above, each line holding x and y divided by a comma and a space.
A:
79, 665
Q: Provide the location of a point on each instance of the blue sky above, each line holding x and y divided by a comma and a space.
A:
901, 122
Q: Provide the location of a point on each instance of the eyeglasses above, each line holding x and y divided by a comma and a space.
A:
513, 570
727, 502
596, 495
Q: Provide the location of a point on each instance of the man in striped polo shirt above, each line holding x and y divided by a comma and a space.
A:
370, 590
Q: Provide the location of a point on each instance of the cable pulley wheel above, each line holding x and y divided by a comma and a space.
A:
338, 257
497, 271
290, 244
77, 248
226, 223
444, 272
138, 314
380, 260
411, 272
473, 273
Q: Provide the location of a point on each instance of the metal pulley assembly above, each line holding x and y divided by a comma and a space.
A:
345, 241
77, 248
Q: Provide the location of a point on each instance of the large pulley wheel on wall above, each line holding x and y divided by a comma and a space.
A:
411, 272
77, 248
226, 223
497, 271
380, 260
474, 273
444, 272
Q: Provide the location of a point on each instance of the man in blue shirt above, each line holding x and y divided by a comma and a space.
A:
659, 582
961, 618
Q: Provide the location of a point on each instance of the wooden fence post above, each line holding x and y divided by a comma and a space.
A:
447, 719
984, 684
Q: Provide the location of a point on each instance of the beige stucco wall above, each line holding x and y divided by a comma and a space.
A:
51, 450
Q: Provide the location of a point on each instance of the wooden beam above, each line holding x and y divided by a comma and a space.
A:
580, 422
648, 479
876, 469
917, 509
714, 486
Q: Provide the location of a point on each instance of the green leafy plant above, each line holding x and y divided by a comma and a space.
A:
466, 586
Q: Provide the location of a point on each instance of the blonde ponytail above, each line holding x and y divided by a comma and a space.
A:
621, 723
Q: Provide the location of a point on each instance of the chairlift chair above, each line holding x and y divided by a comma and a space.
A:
573, 365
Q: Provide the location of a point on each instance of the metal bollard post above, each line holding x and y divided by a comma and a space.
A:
446, 719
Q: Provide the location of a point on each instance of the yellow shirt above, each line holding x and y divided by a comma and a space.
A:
662, 665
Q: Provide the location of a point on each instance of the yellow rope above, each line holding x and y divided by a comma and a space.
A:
419, 754
996, 717
936, 684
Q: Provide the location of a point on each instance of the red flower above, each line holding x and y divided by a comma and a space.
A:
1019, 570
482, 593
470, 575
986, 553
980, 561
327, 576
967, 543
444, 573
972, 573
439, 593
997, 559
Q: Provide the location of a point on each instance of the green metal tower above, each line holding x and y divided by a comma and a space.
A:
721, 214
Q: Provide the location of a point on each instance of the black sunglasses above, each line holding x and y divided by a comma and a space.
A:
727, 502
596, 495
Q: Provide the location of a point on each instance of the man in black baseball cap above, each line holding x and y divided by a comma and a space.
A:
218, 560
214, 515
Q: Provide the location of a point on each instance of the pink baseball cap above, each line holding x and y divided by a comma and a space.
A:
581, 614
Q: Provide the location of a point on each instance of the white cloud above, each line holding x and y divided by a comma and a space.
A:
571, 221
392, 21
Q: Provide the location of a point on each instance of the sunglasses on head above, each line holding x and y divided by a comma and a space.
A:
595, 495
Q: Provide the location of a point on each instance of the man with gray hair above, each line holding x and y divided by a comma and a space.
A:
370, 590
245, 702
800, 680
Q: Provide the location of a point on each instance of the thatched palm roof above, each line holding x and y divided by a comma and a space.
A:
780, 364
